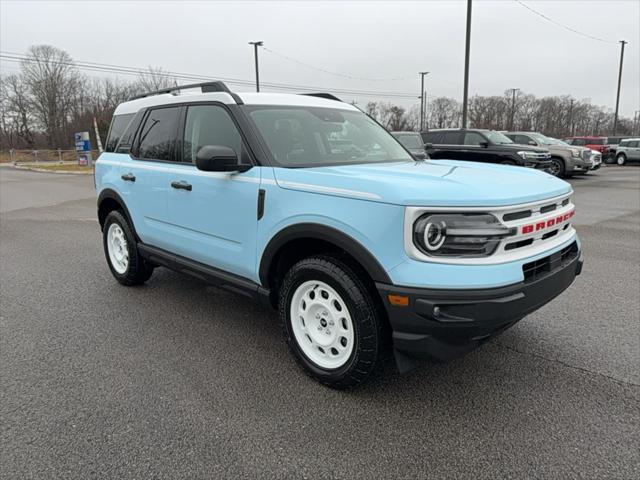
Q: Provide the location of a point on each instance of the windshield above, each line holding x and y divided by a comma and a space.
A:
299, 136
497, 137
542, 139
555, 141
410, 141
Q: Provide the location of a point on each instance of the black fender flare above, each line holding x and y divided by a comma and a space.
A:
109, 193
328, 234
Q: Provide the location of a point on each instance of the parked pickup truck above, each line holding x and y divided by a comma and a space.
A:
307, 204
565, 159
599, 144
487, 146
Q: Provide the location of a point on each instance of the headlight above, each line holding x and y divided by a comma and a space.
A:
523, 154
575, 152
459, 234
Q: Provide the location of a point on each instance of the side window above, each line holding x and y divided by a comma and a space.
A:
579, 142
158, 134
634, 144
431, 137
118, 127
521, 139
450, 138
209, 125
624, 143
473, 138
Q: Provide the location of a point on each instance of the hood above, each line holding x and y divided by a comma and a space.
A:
516, 147
446, 183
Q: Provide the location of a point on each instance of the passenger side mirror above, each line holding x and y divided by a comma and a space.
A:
484, 144
531, 142
219, 158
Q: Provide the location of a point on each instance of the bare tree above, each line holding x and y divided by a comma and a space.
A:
53, 82
155, 79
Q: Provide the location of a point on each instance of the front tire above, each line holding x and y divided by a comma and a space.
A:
331, 322
557, 168
621, 159
121, 251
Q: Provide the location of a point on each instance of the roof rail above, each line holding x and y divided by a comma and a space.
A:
328, 96
205, 87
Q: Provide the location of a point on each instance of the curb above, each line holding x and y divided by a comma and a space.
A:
44, 170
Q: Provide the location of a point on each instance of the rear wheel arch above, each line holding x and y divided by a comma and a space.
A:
110, 200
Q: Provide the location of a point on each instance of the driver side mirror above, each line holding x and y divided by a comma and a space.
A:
428, 146
484, 144
531, 142
219, 158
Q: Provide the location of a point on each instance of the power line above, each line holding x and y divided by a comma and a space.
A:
566, 27
125, 70
342, 75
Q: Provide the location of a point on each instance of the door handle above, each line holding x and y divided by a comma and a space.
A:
128, 177
181, 185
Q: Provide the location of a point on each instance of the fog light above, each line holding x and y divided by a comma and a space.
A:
436, 311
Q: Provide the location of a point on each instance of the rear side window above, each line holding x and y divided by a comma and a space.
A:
431, 137
450, 138
118, 127
209, 125
158, 134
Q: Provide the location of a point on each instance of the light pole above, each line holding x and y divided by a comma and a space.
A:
423, 100
255, 53
615, 118
513, 107
467, 47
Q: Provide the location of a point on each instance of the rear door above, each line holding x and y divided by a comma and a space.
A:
634, 150
449, 146
213, 215
144, 174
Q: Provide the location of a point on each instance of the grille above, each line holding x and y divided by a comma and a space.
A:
549, 264
586, 154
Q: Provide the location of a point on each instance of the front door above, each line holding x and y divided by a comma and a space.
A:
213, 215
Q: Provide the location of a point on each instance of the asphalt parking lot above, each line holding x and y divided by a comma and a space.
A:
177, 379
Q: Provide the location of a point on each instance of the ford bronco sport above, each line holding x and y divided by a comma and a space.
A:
306, 203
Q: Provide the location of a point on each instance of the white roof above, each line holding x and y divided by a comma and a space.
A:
249, 98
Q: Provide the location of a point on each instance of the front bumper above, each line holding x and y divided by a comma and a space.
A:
441, 325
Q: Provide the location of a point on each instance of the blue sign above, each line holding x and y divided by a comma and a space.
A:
83, 144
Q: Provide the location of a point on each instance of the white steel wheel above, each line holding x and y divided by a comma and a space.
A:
322, 325
117, 248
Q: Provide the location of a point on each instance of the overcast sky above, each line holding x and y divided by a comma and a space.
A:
384, 44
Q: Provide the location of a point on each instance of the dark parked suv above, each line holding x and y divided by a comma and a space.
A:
486, 146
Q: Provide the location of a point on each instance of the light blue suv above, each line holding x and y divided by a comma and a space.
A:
306, 203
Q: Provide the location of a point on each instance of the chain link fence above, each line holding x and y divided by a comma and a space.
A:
43, 155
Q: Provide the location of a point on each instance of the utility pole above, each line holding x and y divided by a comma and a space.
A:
615, 118
513, 107
465, 95
423, 100
571, 118
255, 52
636, 123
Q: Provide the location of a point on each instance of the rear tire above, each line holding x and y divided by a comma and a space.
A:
621, 159
121, 251
331, 322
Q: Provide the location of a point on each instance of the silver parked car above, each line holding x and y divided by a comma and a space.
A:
628, 150
566, 159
